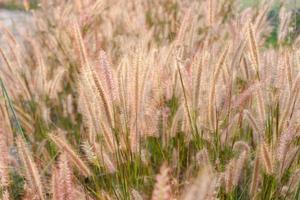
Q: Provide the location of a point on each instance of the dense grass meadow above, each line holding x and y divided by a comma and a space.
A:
151, 100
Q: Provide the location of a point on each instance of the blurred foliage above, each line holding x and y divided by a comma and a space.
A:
17, 4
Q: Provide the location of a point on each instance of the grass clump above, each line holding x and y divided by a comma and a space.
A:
152, 100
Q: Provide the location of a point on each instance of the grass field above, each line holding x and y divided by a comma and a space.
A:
158, 100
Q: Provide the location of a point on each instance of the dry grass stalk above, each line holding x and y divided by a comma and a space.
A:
203, 188
32, 173
4, 166
253, 48
66, 188
230, 176
211, 12
56, 184
74, 158
162, 188
211, 106
255, 176
266, 158
239, 166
